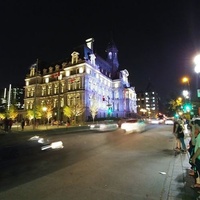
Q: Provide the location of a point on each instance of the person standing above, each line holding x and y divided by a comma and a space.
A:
6, 124
175, 129
22, 124
181, 135
10, 123
193, 134
196, 155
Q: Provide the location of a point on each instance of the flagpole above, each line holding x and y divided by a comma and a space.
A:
9, 97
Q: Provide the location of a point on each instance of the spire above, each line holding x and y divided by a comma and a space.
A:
112, 56
150, 87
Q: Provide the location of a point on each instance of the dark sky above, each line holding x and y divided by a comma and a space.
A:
156, 40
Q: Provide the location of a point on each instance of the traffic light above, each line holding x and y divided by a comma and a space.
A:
187, 107
176, 115
109, 110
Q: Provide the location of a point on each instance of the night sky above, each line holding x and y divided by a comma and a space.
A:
156, 40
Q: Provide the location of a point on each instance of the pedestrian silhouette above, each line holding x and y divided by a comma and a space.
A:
22, 124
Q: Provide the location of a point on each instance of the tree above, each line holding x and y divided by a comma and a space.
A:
77, 109
94, 107
73, 111
37, 113
12, 112
67, 112
49, 112
30, 114
175, 104
2, 115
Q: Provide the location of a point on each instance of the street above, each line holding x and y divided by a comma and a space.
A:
92, 165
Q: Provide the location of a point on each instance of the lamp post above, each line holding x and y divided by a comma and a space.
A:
109, 105
187, 90
197, 70
44, 109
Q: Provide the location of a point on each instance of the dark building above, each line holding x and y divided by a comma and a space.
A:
12, 96
148, 102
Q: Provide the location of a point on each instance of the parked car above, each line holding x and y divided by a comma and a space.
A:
134, 125
104, 126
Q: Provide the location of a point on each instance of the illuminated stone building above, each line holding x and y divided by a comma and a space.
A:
80, 80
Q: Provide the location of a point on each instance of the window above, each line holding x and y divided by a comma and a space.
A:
46, 80
88, 71
67, 73
74, 57
49, 90
81, 70
110, 55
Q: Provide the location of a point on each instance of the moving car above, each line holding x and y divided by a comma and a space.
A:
104, 126
134, 125
154, 121
169, 121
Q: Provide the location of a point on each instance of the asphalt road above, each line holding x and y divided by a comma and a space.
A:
92, 165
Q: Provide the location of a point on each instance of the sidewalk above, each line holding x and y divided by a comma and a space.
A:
180, 180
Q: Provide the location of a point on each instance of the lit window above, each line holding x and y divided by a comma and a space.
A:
67, 73
81, 69
46, 80
55, 89
88, 71
110, 55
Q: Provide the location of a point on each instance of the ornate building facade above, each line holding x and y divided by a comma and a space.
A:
79, 80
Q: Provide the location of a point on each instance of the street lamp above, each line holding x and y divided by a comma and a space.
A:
44, 109
186, 91
197, 70
109, 105
186, 80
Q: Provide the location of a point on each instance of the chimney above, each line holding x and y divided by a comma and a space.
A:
89, 43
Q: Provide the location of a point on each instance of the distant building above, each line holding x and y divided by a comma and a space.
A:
12, 96
148, 102
80, 80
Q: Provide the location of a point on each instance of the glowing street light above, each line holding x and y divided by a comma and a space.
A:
44, 109
197, 70
197, 64
185, 80
197, 60
186, 93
